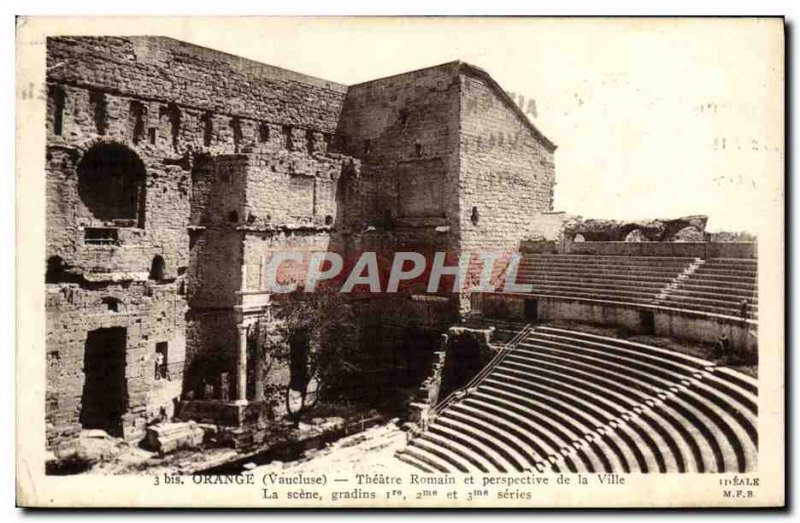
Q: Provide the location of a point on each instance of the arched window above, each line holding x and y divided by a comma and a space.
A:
113, 304
111, 183
157, 268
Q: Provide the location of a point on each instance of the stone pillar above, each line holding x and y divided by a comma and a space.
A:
241, 365
258, 375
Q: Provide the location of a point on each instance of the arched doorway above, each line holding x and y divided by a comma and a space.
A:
111, 184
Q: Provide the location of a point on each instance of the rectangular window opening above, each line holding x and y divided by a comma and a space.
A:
137, 112
208, 129
263, 133
236, 128
161, 363
100, 106
310, 141
58, 97
287, 136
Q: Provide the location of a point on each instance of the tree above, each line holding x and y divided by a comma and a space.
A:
318, 330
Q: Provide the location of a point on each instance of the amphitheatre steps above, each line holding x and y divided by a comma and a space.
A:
609, 271
623, 278
708, 299
608, 278
718, 286
714, 286
572, 401
599, 294
588, 280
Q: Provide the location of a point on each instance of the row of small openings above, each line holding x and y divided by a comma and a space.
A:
101, 236
138, 114
56, 269
99, 105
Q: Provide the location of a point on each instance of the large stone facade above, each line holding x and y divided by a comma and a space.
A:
174, 173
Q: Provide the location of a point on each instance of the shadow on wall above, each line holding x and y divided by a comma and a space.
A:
111, 183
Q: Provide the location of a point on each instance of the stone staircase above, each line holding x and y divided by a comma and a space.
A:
570, 401
718, 286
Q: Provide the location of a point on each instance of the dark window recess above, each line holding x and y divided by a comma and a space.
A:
112, 304
151, 135
236, 129
101, 236
327, 139
157, 267
418, 149
531, 310
402, 116
55, 270
161, 361
100, 108
310, 141
137, 114
287, 136
58, 98
233, 216
174, 124
474, 217
263, 133
367, 146
208, 129
328, 220
648, 322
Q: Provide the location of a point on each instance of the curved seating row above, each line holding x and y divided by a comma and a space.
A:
719, 286
631, 279
715, 286
564, 401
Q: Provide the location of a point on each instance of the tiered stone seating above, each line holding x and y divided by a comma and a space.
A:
718, 286
570, 401
629, 279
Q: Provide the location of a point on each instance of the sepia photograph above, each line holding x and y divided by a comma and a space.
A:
400, 262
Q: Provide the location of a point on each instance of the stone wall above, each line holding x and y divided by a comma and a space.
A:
690, 249
215, 271
404, 128
202, 80
507, 173
174, 173
686, 325
150, 314
211, 350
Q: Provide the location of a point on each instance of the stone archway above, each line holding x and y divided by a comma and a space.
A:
111, 184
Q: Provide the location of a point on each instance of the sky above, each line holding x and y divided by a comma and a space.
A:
653, 118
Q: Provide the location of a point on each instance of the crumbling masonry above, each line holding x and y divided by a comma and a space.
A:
174, 173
